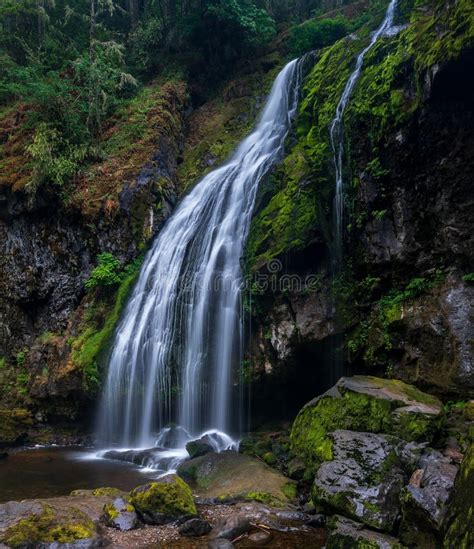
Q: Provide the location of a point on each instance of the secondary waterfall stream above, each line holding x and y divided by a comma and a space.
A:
336, 127
178, 345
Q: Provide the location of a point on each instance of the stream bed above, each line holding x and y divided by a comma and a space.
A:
56, 471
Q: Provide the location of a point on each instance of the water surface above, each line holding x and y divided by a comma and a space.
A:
49, 472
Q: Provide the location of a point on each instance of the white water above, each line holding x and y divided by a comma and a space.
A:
179, 342
336, 126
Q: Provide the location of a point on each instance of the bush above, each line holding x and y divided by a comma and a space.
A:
314, 34
107, 272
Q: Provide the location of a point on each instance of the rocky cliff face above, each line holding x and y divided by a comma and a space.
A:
401, 303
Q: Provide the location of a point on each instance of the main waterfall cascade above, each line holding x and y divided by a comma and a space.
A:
336, 127
179, 342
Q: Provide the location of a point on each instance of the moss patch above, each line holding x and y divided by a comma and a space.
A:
48, 527
170, 496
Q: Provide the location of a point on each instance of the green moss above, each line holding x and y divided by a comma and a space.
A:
358, 412
263, 497
110, 512
379, 407
290, 490
107, 491
98, 328
269, 458
460, 521
170, 496
48, 527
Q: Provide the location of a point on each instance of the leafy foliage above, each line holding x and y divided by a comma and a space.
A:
106, 273
314, 34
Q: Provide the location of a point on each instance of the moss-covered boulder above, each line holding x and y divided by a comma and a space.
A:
54, 522
368, 404
120, 514
14, 425
460, 522
365, 477
231, 476
164, 500
348, 534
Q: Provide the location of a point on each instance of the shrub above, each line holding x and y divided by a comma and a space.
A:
314, 34
107, 272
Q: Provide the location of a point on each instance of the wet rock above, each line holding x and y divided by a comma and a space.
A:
120, 514
233, 527
229, 476
317, 521
164, 500
296, 469
199, 447
364, 478
260, 538
346, 533
424, 501
220, 544
195, 527
368, 404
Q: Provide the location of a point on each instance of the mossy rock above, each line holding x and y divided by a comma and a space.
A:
14, 425
348, 534
364, 403
229, 476
99, 492
120, 514
165, 500
50, 526
460, 523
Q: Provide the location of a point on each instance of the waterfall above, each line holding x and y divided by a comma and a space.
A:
179, 341
336, 127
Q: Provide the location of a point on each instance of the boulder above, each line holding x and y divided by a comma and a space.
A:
424, 500
168, 498
54, 522
199, 447
195, 527
348, 534
233, 527
365, 477
229, 476
296, 469
120, 514
368, 404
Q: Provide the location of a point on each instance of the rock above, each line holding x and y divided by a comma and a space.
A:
348, 534
260, 538
425, 498
14, 426
164, 500
100, 492
47, 523
459, 522
220, 544
199, 447
296, 468
317, 521
195, 527
364, 478
229, 476
3, 455
368, 404
120, 514
424, 504
233, 527
269, 458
